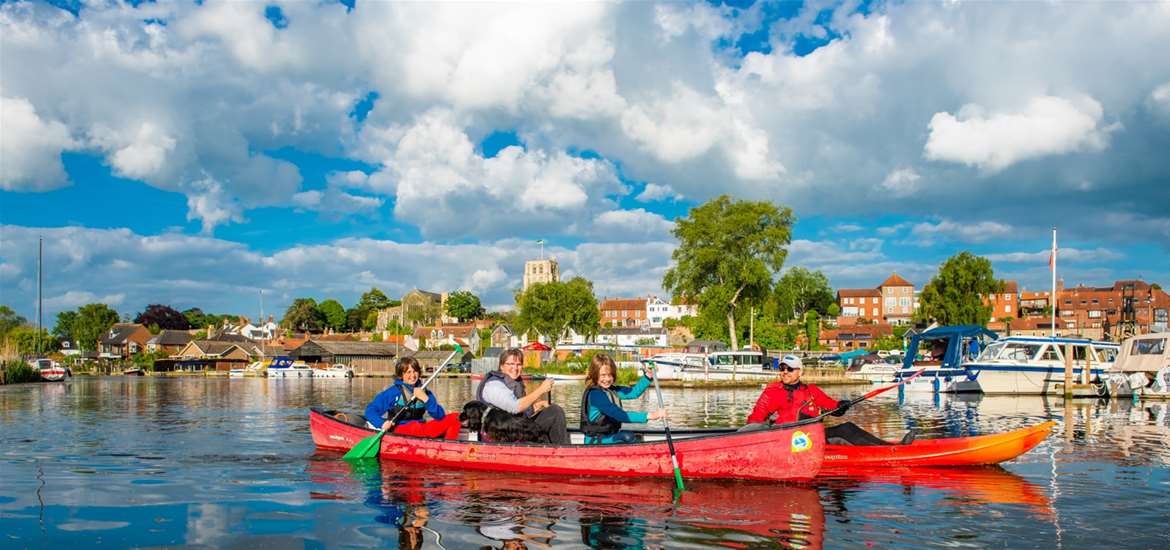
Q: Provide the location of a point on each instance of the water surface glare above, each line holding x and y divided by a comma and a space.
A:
213, 462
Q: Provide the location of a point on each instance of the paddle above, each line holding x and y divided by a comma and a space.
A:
369, 447
678, 480
852, 402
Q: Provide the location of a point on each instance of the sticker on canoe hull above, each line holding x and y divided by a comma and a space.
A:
800, 442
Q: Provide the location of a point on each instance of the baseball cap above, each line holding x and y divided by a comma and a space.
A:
792, 361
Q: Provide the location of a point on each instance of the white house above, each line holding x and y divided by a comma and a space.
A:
641, 337
658, 310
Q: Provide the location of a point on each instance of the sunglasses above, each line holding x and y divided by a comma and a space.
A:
786, 368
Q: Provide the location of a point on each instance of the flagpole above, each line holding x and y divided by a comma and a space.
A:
1053, 266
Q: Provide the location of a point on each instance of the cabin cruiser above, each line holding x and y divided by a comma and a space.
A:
338, 370
1036, 365
1143, 367
877, 371
283, 367
719, 365
945, 350
51, 370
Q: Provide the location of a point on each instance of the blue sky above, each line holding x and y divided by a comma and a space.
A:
195, 153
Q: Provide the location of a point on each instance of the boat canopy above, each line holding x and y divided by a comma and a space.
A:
1144, 353
961, 340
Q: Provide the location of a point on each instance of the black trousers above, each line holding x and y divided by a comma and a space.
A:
852, 434
551, 421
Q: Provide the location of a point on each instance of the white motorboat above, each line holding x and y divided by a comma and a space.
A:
1143, 367
1031, 365
51, 370
719, 365
338, 370
285, 369
873, 372
943, 369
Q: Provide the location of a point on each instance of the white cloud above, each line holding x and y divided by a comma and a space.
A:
1062, 255
976, 232
73, 299
902, 182
655, 192
632, 225
30, 148
993, 141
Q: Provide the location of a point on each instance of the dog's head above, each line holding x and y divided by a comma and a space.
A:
471, 417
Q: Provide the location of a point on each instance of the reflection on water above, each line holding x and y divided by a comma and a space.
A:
214, 462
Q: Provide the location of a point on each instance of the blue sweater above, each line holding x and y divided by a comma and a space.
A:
392, 397
599, 404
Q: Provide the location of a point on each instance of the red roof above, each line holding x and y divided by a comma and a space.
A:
895, 280
536, 346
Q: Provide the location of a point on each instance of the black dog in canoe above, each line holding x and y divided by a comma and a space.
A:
497, 425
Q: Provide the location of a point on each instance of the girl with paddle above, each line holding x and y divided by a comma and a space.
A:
411, 421
602, 414
792, 400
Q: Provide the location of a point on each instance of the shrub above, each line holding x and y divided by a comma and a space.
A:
17, 372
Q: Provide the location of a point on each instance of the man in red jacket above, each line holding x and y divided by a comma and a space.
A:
789, 400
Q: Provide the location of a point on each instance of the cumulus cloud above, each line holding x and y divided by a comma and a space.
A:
30, 148
901, 182
926, 233
1063, 255
993, 141
654, 192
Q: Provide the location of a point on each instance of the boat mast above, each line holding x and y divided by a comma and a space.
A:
40, 253
1052, 264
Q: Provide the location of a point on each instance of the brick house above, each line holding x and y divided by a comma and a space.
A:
859, 303
623, 312
854, 337
1101, 312
898, 301
168, 341
1005, 303
123, 340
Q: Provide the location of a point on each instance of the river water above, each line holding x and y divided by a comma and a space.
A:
212, 462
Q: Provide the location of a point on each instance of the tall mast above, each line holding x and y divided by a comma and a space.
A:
1052, 309
40, 253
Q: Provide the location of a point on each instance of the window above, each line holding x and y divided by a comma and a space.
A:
1094, 314
1007, 296
874, 300
904, 302
1020, 352
1007, 309
875, 312
1050, 353
1107, 354
1148, 346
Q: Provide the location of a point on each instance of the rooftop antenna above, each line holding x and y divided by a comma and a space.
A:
541, 243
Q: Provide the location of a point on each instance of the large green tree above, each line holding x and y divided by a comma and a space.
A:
955, 295
64, 327
26, 340
374, 299
9, 320
93, 320
333, 313
551, 309
464, 305
800, 291
728, 254
303, 315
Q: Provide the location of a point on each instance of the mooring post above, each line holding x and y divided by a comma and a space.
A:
1068, 367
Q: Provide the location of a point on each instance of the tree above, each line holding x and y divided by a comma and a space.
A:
165, 317
93, 320
9, 320
955, 295
800, 291
64, 327
195, 317
333, 314
303, 315
464, 305
728, 253
812, 329
551, 309
374, 299
27, 342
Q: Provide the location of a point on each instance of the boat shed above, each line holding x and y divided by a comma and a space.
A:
363, 357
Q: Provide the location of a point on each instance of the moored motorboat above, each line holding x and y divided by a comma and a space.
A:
1031, 365
134, 371
1142, 368
946, 348
774, 454
51, 370
338, 370
953, 451
281, 369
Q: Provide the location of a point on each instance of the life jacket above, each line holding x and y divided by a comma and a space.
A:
514, 384
801, 399
416, 411
603, 425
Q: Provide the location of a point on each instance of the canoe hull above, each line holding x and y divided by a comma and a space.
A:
779, 454
958, 451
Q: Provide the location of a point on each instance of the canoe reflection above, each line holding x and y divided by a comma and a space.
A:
514, 511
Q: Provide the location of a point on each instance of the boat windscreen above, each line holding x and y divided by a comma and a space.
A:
1148, 346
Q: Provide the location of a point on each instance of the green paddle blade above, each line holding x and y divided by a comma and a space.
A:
366, 448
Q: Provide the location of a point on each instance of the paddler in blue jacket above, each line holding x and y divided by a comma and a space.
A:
411, 421
602, 414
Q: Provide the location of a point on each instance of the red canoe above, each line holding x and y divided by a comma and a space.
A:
776, 454
956, 451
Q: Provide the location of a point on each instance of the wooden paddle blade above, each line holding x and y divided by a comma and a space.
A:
366, 448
